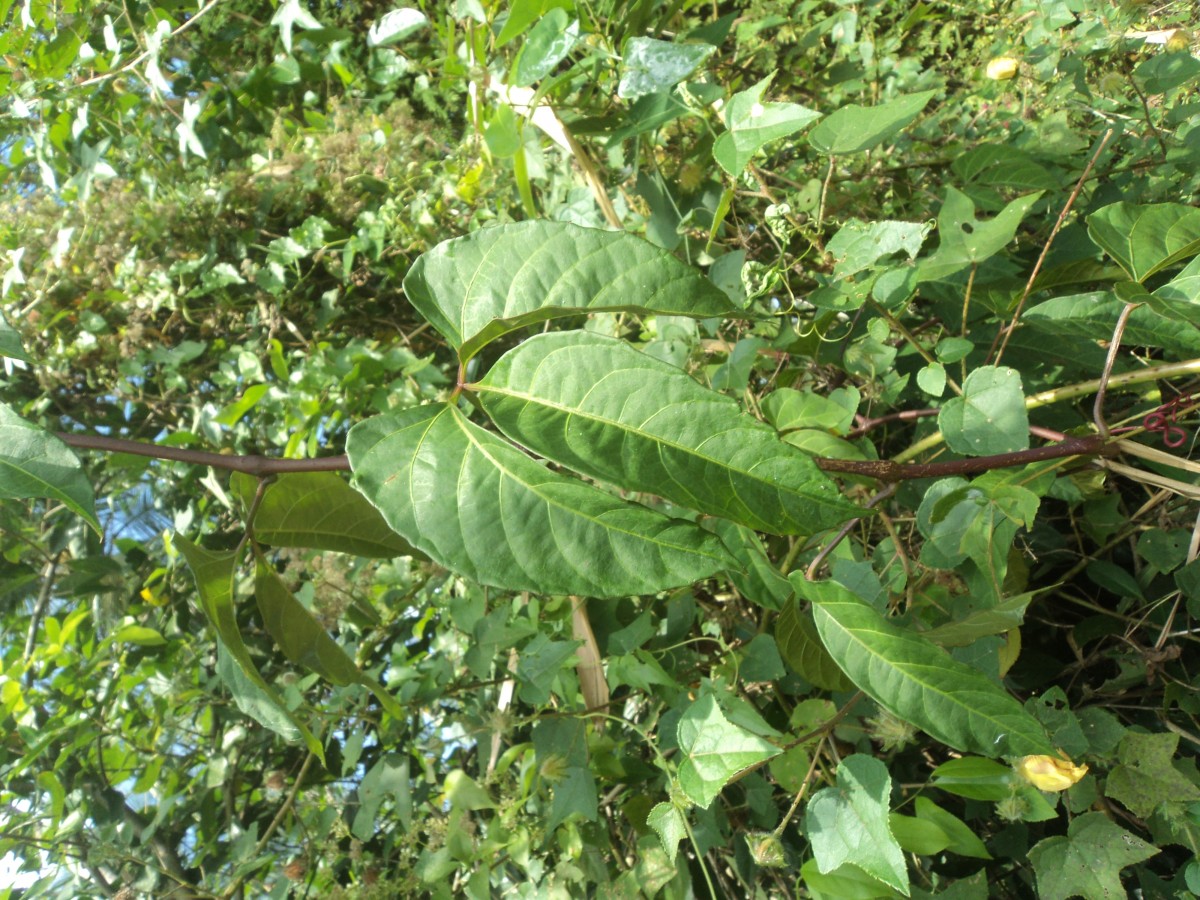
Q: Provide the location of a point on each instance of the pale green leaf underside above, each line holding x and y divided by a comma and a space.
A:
214, 586
918, 681
319, 511
34, 463
601, 407
482, 508
476, 288
305, 642
753, 124
1146, 239
715, 750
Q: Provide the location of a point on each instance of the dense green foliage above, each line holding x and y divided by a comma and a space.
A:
553, 448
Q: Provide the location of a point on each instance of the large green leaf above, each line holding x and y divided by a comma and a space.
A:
1146, 239
849, 823
304, 642
918, 681
853, 128
1091, 316
1087, 861
214, 584
753, 124
714, 750
649, 65
319, 511
34, 463
601, 407
475, 288
481, 507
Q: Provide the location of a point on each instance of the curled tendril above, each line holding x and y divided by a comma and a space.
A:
1162, 422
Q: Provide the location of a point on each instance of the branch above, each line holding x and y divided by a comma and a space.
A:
258, 466
888, 470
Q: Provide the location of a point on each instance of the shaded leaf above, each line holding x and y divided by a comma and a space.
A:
801, 648
34, 463
304, 642
10, 342
319, 511
599, 406
917, 681
214, 585
475, 288
1092, 316
481, 507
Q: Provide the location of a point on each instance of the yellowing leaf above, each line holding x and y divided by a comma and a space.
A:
1048, 773
1002, 68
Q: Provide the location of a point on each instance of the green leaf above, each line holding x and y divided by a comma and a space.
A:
599, 406
975, 778
548, 44
963, 840
540, 662
917, 681
1146, 239
388, 777
1166, 71
801, 648
1179, 298
138, 634
1146, 776
853, 128
34, 463
252, 700
482, 508
476, 288
919, 836
846, 882
1092, 316
753, 124
1005, 616
319, 511
860, 245
290, 14
465, 793
989, 417
214, 584
714, 750
964, 240
1088, 861
667, 822
304, 642
649, 65
849, 823
10, 342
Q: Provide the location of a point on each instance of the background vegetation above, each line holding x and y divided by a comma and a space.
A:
909, 211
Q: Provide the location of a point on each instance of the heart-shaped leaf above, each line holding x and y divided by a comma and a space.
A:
990, 416
714, 750
1146, 239
601, 407
479, 506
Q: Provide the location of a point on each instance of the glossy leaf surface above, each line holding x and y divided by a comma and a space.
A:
599, 406
34, 463
319, 511
475, 288
918, 681
482, 508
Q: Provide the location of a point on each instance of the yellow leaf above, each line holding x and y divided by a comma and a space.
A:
1047, 773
